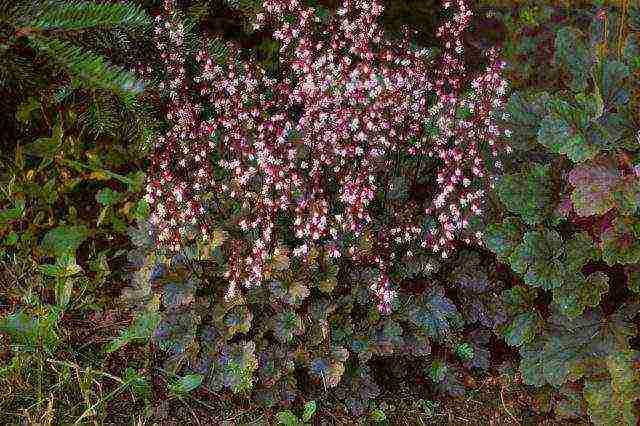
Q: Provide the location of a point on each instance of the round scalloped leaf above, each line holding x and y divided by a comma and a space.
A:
521, 329
525, 112
572, 53
579, 292
531, 361
539, 259
288, 324
238, 320
519, 299
578, 346
627, 195
579, 250
621, 242
433, 312
502, 238
594, 182
561, 137
528, 193
611, 402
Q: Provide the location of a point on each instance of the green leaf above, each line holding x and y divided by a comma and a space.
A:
465, 351
288, 324
561, 137
571, 52
378, 415
611, 402
573, 347
64, 240
579, 292
539, 259
621, 242
592, 105
187, 383
525, 110
108, 197
11, 239
45, 147
528, 193
309, 411
33, 331
14, 213
579, 250
531, 363
142, 329
522, 329
433, 312
502, 238
627, 195
610, 76
287, 418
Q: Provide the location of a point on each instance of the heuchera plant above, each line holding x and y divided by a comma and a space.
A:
305, 160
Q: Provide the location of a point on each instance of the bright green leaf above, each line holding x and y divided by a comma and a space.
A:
64, 239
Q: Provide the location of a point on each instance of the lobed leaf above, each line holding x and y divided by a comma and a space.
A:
528, 193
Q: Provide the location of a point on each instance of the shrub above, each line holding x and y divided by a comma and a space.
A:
355, 148
323, 186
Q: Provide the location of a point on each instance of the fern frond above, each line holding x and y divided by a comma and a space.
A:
219, 50
76, 15
92, 69
246, 6
101, 117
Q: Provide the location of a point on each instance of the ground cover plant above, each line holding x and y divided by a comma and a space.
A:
320, 212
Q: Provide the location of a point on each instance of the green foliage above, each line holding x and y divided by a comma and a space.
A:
433, 312
611, 400
186, 384
64, 239
523, 320
572, 52
621, 242
574, 346
90, 68
141, 330
528, 193
32, 332
82, 15
503, 238
287, 418
539, 259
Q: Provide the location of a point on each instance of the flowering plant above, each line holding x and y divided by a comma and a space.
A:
336, 146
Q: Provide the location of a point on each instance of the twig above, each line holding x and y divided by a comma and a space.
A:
505, 406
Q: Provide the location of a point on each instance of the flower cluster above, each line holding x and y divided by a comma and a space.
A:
321, 141
180, 167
